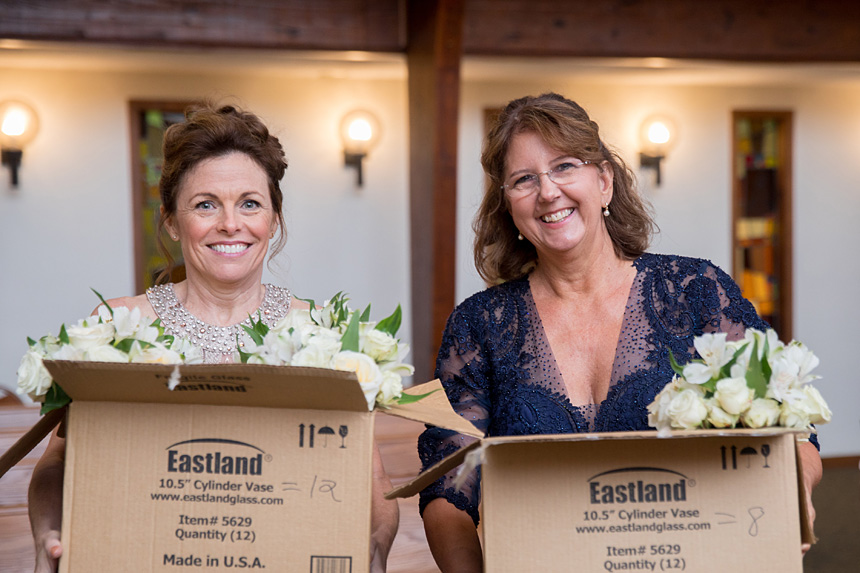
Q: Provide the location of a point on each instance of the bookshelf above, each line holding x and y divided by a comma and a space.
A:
761, 213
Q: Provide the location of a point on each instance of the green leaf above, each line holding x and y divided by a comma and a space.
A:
679, 370
765, 366
243, 356
365, 316
253, 333
350, 337
64, 336
55, 398
310, 302
125, 345
101, 298
755, 376
30, 342
391, 324
412, 398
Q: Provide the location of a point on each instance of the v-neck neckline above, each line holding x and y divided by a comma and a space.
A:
552, 354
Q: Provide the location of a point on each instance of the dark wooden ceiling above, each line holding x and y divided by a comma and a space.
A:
434, 35
764, 30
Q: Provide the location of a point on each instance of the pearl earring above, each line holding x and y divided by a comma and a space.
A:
520, 236
174, 237
606, 210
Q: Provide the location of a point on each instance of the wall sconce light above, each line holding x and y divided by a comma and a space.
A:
359, 131
656, 136
18, 126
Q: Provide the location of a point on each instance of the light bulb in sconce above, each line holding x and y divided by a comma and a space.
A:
657, 135
359, 133
19, 124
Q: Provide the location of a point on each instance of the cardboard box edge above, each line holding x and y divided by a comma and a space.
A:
32, 438
431, 474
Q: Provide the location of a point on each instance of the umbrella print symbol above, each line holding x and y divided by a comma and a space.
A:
749, 451
325, 431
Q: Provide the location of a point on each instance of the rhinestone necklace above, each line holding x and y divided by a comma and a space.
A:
218, 343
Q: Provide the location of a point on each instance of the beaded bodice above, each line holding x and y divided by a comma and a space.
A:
500, 372
218, 343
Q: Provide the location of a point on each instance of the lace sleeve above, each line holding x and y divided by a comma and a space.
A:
461, 367
726, 310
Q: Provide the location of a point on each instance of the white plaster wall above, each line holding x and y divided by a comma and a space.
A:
693, 206
68, 226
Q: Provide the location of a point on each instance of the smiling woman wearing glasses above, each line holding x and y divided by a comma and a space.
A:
575, 334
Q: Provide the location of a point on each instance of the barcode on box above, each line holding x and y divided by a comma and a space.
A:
328, 564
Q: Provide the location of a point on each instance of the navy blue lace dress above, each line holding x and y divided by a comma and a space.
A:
499, 371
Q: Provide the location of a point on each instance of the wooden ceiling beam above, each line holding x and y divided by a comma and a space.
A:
740, 30
370, 25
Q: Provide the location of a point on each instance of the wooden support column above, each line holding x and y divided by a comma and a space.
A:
435, 39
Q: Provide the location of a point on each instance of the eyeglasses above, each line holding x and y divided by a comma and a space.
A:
528, 183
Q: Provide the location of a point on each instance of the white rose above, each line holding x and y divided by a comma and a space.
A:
156, 354
793, 414
318, 351
815, 405
718, 417
105, 353
33, 378
762, 413
687, 410
380, 346
734, 395
88, 334
67, 352
317, 355
658, 416
365, 368
390, 390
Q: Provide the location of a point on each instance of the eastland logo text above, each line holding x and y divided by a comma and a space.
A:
214, 462
638, 490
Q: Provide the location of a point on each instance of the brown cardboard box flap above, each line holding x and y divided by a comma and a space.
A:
434, 409
214, 385
30, 440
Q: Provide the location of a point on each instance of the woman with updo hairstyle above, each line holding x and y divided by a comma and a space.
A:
222, 201
575, 330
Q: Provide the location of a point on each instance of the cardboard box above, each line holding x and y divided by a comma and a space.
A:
241, 466
703, 501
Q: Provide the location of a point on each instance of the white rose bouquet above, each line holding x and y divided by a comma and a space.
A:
333, 336
113, 335
754, 382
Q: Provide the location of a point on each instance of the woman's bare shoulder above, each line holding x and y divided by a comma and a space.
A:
140, 301
297, 303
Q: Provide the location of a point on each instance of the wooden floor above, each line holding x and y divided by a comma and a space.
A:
396, 439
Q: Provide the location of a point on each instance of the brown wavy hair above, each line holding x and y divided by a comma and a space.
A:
211, 131
565, 126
